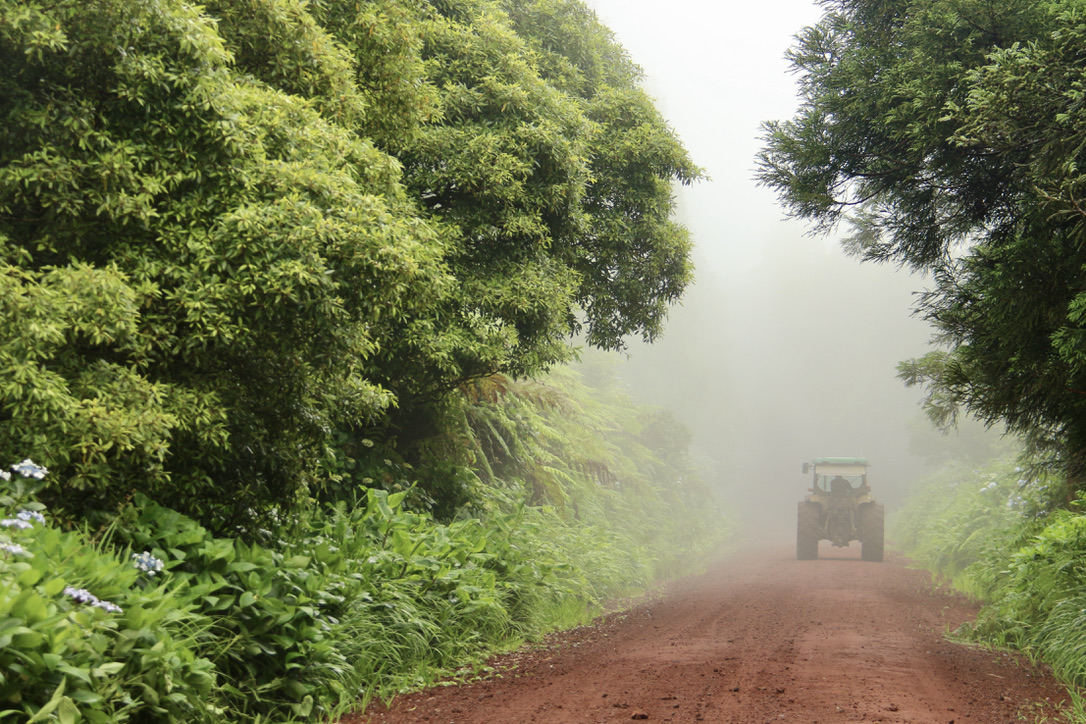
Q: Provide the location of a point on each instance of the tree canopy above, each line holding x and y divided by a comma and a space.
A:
232, 234
950, 135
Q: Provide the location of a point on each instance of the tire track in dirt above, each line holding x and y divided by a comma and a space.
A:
761, 638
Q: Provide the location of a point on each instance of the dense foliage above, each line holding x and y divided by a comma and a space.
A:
969, 513
949, 133
582, 496
999, 533
236, 238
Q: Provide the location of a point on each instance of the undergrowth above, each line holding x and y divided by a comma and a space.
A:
1006, 535
146, 616
363, 601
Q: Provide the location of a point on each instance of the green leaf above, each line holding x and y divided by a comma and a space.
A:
29, 577
68, 712
54, 586
108, 669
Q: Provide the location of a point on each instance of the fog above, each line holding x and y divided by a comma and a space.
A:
784, 349
793, 359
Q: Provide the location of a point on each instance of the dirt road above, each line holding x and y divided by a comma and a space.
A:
760, 638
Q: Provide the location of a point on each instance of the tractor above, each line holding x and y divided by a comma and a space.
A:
839, 508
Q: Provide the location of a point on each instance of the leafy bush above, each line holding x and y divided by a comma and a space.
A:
999, 536
360, 601
352, 600
85, 636
1032, 589
959, 520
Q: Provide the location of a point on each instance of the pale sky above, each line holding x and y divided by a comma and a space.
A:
717, 70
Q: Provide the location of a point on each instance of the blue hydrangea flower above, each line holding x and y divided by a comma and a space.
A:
108, 607
29, 469
16, 523
15, 549
31, 515
147, 563
80, 595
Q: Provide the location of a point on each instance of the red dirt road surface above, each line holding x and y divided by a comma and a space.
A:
761, 638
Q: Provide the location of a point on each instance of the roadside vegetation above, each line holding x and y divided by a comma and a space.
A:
286, 294
1004, 533
579, 496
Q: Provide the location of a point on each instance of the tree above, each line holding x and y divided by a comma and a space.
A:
527, 138
632, 257
556, 171
212, 253
232, 234
950, 134
550, 173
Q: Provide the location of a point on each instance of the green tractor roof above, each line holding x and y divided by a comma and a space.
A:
839, 461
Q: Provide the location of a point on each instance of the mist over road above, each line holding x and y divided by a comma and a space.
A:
759, 638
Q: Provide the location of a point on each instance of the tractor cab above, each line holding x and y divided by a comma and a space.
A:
838, 476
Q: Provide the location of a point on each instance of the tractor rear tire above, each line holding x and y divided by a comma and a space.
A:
807, 531
871, 540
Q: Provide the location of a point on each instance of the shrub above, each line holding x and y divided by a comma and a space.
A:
995, 534
85, 636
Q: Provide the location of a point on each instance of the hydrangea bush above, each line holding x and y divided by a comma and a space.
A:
79, 641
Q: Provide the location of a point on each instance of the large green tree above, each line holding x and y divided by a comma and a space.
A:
532, 145
233, 233
950, 133
211, 255
523, 129
631, 258
554, 170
